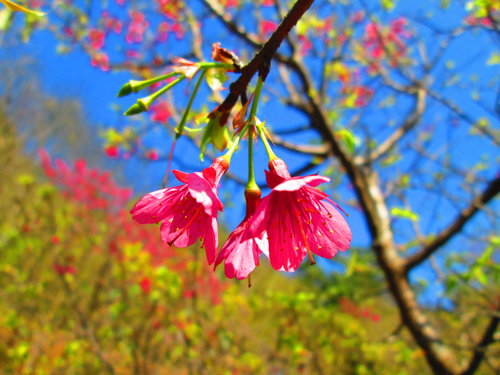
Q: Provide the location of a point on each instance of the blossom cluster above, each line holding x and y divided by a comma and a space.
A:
293, 220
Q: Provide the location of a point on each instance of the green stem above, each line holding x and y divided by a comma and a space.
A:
139, 85
256, 97
251, 183
216, 65
180, 128
270, 153
229, 153
151, 98
259, 127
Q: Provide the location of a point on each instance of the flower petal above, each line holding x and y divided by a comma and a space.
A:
181, 176
241, 253
329, 231
211, 239
153, 207
204, 193
296, 183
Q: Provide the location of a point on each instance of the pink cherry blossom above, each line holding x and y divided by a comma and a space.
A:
96, 38
298, 219
241, 251
186, 212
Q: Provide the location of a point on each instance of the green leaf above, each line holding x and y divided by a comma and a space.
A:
216, 79
388, 4
5, 18
494, 59
349, 140
404, 213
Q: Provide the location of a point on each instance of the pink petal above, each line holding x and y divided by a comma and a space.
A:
181, 176
210, 240
273, 179
153, 206
184, 223
329, 231
296, 183
286, 251
204, 193
241, 255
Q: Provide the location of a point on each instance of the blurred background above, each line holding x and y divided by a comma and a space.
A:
397, 102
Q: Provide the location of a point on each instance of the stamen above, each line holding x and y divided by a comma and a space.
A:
311, 257
197, 212
304, 237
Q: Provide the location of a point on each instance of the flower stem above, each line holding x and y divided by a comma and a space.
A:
256, 97
216, 65
229, 153
180, 128
149, 99
262, 133
251, 183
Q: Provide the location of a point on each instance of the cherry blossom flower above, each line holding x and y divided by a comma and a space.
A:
187, 212
96, 38
298, 219
241, 251
137, 27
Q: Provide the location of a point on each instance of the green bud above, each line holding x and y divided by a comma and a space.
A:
137, 108
126, 89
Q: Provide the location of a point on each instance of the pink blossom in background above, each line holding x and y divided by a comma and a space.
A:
91, 187
64, 270
136, 28
96, 38
146, 285
152, 155
186, 212
268, 27
133, 54
112, 151
111, 23
306, 44
298, 219
160, 112
100, 60
162, 33
178, 30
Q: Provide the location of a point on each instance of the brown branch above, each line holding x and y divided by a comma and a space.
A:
411, 121
480, 349
456, 226
262, 59
314, 150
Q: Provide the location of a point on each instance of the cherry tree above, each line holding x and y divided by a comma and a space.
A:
397, 106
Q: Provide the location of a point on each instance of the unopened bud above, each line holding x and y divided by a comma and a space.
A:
125, 90
137, 108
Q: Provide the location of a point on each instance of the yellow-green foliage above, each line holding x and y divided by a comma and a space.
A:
97, 317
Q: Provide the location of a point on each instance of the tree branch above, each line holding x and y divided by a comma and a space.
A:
479, 351
314, 150
455, 227
262, 59
410, 122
